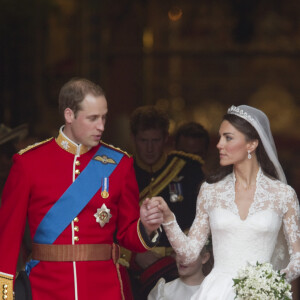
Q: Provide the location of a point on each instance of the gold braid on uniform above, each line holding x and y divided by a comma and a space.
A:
115, 148
189, 155
163, 179
151, 168
33, 146
120, 280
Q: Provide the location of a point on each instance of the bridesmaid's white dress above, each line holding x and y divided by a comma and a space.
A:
271, 227
173, 290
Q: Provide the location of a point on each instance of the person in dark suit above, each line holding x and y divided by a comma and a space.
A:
176, 176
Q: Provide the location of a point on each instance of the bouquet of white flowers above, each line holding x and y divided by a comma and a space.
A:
261, 282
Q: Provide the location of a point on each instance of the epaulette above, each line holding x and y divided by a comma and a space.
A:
33, 146
116, 148
188, 155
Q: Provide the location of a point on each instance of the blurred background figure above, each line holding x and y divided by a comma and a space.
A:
9, 145
11, 141
190, 278
174, 175
192, 137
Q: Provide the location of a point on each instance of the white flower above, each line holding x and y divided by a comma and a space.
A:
261, 282
65, 145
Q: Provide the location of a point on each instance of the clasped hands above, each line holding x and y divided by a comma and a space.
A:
153, 212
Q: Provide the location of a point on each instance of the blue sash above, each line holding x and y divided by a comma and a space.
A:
76, 197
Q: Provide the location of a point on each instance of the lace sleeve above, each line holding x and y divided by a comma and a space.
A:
188, 247
291, 226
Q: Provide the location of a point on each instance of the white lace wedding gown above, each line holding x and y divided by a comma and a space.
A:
237, 241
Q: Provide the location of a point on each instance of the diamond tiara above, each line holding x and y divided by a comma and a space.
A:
240, 113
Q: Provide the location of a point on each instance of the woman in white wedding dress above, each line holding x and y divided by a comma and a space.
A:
250, 211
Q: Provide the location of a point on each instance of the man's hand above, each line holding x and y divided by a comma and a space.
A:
150, 214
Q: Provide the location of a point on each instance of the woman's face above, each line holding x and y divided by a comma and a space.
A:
232, 146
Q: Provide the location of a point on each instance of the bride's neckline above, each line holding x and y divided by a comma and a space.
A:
243, 184
251, 190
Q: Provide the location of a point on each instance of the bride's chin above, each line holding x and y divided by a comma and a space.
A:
223, 164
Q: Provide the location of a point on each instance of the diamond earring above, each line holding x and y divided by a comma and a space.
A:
249, 155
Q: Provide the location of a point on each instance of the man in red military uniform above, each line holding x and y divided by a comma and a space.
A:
81, 198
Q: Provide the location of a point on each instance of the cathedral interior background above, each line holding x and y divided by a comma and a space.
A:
192, 58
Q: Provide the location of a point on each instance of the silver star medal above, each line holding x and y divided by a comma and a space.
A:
102, 215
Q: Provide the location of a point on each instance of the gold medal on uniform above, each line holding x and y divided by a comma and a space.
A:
102, 215
104, 194
105, 184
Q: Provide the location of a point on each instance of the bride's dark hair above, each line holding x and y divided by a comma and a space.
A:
250, 134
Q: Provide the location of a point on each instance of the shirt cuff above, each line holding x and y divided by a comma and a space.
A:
148, 242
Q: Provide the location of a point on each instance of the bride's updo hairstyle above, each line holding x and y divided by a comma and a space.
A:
250, 133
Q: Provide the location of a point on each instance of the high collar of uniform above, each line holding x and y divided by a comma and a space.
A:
65, 143
151, 168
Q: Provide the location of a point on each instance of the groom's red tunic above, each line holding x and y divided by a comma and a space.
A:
37, 180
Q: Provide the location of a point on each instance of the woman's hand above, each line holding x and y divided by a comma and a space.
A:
168, 215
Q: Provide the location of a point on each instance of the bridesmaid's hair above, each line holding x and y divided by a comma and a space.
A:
250, 134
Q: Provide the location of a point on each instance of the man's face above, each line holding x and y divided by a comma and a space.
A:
193, 145
149, 145
88, 125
